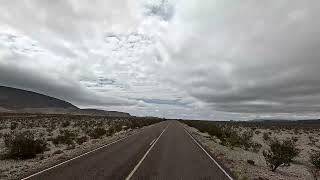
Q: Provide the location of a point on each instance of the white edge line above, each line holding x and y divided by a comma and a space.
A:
79, 156
152, 141
145, 155
209, 156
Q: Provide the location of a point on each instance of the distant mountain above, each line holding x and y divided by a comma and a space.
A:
18, 100
271, 120
287, 120
99, 112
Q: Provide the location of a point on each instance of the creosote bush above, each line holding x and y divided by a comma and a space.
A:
280, 153
97, 133
266, 136
82, 139
65, 124
66, 137
315, 159
13, 125
23, 145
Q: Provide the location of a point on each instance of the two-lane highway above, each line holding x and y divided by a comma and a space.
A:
162, 151
176, 156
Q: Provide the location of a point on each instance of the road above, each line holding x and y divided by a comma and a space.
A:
163, 151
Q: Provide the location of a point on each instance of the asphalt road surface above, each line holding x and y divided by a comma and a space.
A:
164, 151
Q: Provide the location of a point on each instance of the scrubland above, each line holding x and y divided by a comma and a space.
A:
30, 142
263, 150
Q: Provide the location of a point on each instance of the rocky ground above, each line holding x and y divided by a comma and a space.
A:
236, 159
65, 137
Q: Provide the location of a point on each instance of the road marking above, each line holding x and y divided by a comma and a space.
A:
152, 141
229, 177
145, 155
106, 145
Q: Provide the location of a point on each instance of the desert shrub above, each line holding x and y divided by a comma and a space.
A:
97, 133
315, 159
295, 139
230, 138
23, 145
117, 127
110, 132
66, 137
208, 127
81, 140
215, 130
228, 135
280, 153
51, 128
249, 161
14, 125
246, 139
65, 124
266, 136
255, 147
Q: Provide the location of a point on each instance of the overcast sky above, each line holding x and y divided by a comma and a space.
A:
196, 59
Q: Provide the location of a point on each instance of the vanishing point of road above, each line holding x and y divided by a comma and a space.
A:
164, 151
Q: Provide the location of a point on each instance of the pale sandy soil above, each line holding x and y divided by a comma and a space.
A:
236, 159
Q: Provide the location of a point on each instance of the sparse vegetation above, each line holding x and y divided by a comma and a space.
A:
50, 137
251, 162
82, 139
280, 153
315, 160
66, 137
266, 136
13, 125
228, 135
97, 133
23, 145
65, 124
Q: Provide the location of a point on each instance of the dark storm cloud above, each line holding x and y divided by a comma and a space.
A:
243, 57
62, 87
221, 59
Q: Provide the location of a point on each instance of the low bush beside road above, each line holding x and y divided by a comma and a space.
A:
23, 145
280, 153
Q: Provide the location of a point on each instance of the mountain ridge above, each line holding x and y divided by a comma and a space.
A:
24, 101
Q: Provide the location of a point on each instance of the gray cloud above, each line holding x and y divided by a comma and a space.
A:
191, 59
243, 57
